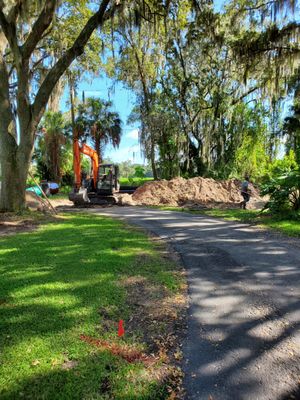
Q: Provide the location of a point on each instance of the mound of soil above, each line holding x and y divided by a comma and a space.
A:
36, 203
202, 192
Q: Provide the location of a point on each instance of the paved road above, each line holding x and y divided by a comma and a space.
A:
243, 326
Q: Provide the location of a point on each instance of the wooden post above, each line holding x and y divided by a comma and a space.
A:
44, 194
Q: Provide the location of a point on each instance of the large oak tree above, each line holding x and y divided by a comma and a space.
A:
30, 68
22, 41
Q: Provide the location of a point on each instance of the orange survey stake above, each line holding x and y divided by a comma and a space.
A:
121, 330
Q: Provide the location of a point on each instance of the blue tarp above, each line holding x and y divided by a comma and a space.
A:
35, 189
53, 185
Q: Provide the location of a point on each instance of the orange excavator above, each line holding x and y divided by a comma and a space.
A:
98, 189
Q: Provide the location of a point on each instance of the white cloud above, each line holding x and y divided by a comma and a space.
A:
134, 134
132, 153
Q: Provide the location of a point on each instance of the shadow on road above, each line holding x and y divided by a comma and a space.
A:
243, 326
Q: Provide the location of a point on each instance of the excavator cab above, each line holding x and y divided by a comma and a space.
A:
108, 179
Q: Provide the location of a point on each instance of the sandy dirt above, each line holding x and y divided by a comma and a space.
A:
35, 202
193, 193
11, 223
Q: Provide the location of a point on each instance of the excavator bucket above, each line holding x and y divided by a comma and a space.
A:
79, 198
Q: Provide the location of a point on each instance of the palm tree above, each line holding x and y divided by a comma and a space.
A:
51, 143
103, 123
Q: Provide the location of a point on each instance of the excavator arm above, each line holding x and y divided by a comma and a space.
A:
87, 150
76, 164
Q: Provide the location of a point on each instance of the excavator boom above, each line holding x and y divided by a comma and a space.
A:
76, 164
87, 150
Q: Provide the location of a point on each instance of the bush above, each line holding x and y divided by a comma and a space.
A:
139, 172
280, 167
284, 191
66, 189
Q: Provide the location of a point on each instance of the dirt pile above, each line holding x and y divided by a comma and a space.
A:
36, 203
125, 199
197, 191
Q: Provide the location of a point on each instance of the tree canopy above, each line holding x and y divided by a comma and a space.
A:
210, 84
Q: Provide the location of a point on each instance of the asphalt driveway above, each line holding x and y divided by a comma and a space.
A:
243, 339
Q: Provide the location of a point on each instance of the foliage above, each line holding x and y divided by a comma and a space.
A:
131, 181
291, 129
250, 148
52, 144
284, 191
280, 166
203, 108
139, 172
127, 169
96, 122
282, 183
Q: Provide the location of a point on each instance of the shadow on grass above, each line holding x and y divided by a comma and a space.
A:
53, 284
96, 376
243, 327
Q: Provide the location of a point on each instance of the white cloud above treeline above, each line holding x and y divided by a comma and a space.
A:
134, 134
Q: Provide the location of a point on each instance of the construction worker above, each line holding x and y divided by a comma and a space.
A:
110, 174
245, 192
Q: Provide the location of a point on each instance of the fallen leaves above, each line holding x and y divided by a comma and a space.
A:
178, 354
69, 364
129, 354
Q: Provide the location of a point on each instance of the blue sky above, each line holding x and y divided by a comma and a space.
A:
123, 102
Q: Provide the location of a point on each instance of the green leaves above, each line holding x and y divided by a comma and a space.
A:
284, 191
96, 121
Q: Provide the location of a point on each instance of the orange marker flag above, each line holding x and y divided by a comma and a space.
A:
121, 330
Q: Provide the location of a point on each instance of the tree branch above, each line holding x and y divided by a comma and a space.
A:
6, 113
12, 17
245, 95
9, 29
258, 6
33, 67
39, 27
65, 61
5, 25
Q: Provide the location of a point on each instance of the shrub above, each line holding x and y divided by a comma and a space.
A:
139, 172
284, 191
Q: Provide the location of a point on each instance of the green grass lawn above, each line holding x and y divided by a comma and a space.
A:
289, 224
134, 181
54, 283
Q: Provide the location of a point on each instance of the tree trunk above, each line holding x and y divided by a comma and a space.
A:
53, 103
98, 146
15, 156
154, 170
14, 169
152, 157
